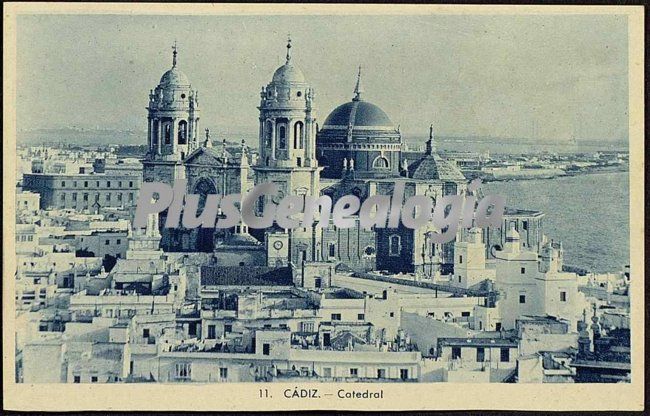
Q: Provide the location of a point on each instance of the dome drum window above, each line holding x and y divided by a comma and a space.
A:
381, 162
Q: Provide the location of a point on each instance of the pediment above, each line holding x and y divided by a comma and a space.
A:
204, 156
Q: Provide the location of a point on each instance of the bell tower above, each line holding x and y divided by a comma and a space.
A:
173, 125
288, 151
287, 132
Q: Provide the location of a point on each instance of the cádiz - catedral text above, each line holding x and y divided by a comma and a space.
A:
360, 394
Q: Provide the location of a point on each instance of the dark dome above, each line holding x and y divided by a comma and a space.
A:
365, 115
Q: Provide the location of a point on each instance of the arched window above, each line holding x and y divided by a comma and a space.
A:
268, 133
380, 163
394, 245
168, 133
297, 135
182, 132
332, 250
282, 137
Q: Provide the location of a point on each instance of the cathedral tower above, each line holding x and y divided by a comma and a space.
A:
288, 151
173, 117
287, 132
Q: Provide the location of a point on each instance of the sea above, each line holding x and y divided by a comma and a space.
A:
589, 213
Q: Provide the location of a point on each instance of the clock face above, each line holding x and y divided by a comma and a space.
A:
277, 245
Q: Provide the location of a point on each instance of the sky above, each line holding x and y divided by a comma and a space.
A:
545, 77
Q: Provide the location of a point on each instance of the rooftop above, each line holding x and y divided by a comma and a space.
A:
246, 276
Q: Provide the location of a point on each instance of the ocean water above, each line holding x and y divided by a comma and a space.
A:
588, 213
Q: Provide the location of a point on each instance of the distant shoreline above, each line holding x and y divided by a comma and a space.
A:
524, 177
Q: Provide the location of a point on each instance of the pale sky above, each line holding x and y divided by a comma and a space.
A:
470, 75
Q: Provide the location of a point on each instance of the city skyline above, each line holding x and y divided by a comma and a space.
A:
481, 64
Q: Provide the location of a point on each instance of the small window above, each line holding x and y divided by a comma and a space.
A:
107, 242
227, 328
354, 372
394, 245
332, 250
460, 259
85, 184
522, 298
524, 225
130, 184
392, 314
455, 353
480, 354
93, 379
505, 355
108, 184
77, 379
404, 373
266, 349
145, 333
212, 332
336, 317
223, 372
118, 241
523, 270
465, 314
63, 184
563, 296
361, 317
381, 373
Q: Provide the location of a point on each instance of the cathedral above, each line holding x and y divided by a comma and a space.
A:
357, 150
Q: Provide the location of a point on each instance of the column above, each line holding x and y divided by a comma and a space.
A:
306, 135
149, 134
273, 139
159, 138
262, 141
196, 133
190, 133
173, 136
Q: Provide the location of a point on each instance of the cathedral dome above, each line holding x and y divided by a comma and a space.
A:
288, 74
358, 113
174, 77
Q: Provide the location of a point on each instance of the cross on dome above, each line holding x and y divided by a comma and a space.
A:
358, 89
288, 48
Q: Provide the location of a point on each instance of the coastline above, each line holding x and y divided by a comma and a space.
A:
524, 176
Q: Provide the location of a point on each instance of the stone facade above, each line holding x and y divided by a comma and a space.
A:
83, 191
